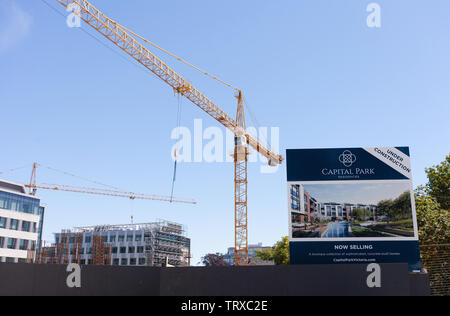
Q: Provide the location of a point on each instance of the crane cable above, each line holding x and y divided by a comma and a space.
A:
78, 177
176, 57
14, 169
175, 154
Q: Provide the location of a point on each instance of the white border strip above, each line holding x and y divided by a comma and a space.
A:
394, 158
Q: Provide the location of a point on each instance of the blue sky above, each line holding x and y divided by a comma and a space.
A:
312, 68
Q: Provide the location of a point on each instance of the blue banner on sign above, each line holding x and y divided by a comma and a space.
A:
338, 164
332, 252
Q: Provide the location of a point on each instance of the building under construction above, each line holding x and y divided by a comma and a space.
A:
160, 243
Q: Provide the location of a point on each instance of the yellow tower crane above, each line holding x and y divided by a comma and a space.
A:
125, 40
33, 187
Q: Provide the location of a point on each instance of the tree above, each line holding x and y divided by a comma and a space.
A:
402, 206
361, 214
433, 222
439, 183
399, 208
433, 205
279, 254
384, 208
214, 260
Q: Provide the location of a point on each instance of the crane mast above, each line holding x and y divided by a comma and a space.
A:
124, 39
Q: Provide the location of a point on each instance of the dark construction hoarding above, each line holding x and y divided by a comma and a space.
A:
352, 205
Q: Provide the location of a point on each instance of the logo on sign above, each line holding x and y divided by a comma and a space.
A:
347, 158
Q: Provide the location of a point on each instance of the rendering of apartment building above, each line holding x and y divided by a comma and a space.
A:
151, 244
21, 221
302, 205
302, 213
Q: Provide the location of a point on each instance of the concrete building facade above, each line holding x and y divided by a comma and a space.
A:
21, 222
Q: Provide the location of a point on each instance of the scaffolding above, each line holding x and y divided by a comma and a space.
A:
163, 243
100, 251
62, 252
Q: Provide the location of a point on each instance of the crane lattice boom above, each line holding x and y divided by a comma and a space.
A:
97, 191
123, 38
125, 41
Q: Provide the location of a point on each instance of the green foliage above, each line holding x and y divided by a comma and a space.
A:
399, 208
433, 222
361, 214
439, 183
433, 205
278, 254
265, 254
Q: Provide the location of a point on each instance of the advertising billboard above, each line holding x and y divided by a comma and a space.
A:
352, 205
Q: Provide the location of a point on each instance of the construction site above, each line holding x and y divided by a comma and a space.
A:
153, 244
137, 47
113, 123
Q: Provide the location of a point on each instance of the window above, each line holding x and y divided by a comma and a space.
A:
114, 250
14, 206
124, 262
115, 262
129, 237
112, 238
26, 208
131, 249
14, 225
88, 239
3, 203
26, 226
123, 249
10, 260
2, 242
88, 251
2, 222
23, 245
83, 261
121, 238
141, 261
12, 243
140, 249
138, 237
132, 261
33, 245
105, 239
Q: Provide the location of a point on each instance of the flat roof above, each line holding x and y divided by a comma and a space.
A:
143, 226
12, 187
15, 188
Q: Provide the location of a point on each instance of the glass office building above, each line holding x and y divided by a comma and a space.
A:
21, 222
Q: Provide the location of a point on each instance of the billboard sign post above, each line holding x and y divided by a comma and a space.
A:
352, 205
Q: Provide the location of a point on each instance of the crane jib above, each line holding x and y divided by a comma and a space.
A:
121, 38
